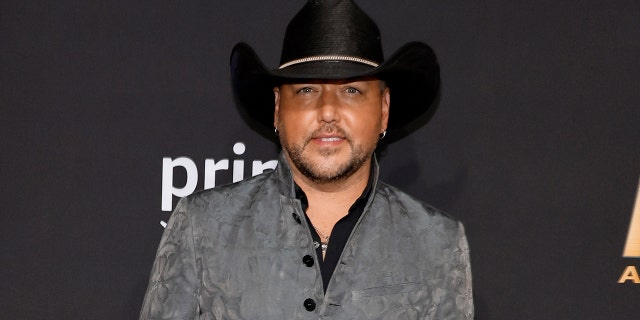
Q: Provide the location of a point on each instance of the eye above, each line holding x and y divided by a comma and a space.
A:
352, 90
305, 90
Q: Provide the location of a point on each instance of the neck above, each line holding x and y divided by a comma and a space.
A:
330, 201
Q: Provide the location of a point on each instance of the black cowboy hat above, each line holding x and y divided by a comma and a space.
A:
334, 39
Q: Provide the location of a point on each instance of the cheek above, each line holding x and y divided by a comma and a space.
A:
294, 126
368, 124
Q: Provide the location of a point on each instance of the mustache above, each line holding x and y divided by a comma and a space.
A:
329, 129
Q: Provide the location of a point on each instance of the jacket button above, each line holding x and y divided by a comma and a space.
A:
309, 304
308, 261
296, 217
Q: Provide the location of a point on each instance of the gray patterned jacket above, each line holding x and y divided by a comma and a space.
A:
236, 252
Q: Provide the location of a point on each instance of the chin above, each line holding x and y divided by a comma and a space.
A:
331, 171
328, 164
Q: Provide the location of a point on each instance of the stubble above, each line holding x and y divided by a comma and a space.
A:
303, 161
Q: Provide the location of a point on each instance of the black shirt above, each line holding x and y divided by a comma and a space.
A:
340, 233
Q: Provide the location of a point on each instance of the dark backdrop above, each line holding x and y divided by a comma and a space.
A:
535, 145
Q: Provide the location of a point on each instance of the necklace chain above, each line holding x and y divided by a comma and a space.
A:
324, 241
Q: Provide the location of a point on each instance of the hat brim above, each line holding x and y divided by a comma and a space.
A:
411, 73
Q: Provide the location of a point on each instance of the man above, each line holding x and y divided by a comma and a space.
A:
321, 236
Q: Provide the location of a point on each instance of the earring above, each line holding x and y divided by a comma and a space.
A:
383, 134
276, 131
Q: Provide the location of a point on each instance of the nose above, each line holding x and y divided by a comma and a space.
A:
328, 107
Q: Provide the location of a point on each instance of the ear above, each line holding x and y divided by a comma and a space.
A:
386, 103
276, 110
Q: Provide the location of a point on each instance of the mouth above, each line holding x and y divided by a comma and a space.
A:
329, 139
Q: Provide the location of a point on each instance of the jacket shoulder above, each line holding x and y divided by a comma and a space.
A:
413, 207
228, 198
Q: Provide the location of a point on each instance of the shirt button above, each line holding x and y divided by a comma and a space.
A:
309, 304
296, 217
308, 261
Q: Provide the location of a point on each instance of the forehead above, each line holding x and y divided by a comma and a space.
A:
370, 79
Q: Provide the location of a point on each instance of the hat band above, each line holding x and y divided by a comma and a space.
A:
329, 58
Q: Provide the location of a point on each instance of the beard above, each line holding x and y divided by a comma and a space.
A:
322, 170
